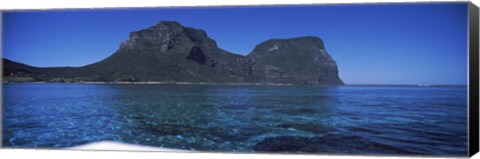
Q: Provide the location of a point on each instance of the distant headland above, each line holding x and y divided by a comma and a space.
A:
171, 53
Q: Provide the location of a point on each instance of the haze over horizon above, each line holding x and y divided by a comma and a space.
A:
421, 43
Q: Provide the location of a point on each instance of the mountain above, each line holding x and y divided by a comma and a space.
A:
170, 52
305, 59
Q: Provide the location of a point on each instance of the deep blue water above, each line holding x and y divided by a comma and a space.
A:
319, 119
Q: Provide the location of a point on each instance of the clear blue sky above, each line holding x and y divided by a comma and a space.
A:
372, 44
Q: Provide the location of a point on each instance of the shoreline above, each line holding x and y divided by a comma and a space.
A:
244, 84
175, 83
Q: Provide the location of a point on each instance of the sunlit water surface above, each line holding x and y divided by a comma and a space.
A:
319, 119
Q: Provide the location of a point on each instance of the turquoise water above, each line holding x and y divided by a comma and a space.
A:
317, 119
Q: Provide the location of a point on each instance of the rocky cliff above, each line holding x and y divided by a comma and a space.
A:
170, 52
304, 59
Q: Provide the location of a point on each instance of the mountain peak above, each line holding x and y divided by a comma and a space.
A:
168, 25
303, 44
312, 40
315, 38
316, 66
164, 34
168, 35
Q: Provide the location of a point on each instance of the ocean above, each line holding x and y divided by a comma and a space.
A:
385, 120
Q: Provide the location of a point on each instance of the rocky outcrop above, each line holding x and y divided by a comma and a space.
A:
170, 52
304, 59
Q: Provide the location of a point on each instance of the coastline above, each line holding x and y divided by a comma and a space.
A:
241, 84
173, 83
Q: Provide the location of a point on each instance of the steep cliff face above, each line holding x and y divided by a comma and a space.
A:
304, 59
170, 52
165, 52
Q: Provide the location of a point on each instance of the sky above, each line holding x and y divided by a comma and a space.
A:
419, 43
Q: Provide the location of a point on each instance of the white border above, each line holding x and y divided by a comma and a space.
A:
6, 5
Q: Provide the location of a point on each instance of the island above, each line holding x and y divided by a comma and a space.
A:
171, 53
